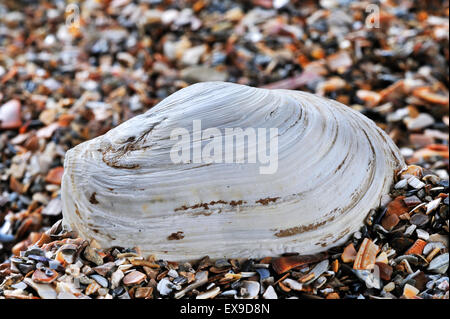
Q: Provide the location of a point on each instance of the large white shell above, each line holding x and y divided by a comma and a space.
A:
334, 165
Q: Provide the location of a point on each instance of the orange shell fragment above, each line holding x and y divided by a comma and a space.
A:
410, 291
54, 176
42, 277
426, 94
417, 247
349, 254
366, 256
414, 170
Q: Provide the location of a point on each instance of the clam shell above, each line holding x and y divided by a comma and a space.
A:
333, 165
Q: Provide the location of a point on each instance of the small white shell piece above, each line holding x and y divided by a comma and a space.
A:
333, 166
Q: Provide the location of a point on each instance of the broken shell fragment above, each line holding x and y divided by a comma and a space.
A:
134, 278
385, 271
44, 291
410, 291
284, 264
46, 276
318, 270
349, 253
250, 290
294, 285
369, 277
270, 293
333, 165
417, 247
433, 205
382, 258
366, 256
201, 278
439, 264
209, 294
412, 170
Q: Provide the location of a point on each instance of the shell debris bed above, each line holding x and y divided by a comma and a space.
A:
63, 83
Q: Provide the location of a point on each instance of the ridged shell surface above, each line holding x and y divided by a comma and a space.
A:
333, 166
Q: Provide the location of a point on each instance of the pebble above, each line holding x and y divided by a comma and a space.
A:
125, 295
87, 270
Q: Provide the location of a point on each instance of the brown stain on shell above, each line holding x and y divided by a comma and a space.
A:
92, 199
212, 203
301, 229
111, 156
176, 236
266, 201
